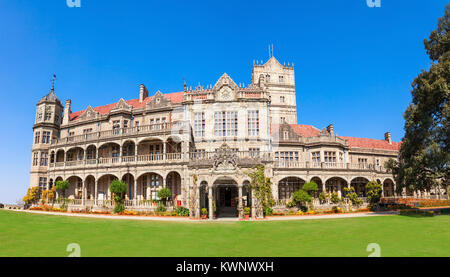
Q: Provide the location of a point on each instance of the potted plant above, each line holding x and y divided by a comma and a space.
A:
215, 211
247, 213
204, 213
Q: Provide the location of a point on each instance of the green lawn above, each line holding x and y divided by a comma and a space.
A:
24, 234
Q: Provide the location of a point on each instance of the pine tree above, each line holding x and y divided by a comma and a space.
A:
424, 154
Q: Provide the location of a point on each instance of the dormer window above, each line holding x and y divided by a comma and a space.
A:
158, 100
286, 135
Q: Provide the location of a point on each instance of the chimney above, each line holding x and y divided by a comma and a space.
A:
143, 93
67, 112
330, 129
387, 137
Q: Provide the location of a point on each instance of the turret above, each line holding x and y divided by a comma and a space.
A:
45, 129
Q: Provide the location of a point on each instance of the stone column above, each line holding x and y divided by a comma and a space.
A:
240, 208
135, 192
197, 212
95, 193
210, 202
395, 190
83, 195
164, 151
339, 188
253, 205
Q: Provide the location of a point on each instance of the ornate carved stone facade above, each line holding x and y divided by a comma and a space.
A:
218, 133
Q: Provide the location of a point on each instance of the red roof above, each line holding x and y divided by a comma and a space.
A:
365, 143
305, 130
302, 130
372, 143
176, 97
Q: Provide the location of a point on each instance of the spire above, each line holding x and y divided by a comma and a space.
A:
53, 82
51, 96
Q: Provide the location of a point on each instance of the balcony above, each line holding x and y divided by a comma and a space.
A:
124, 160
122, 132
241, 158
330, 166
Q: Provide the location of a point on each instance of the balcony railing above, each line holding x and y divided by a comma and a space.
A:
121, 132
139, 159
325, 165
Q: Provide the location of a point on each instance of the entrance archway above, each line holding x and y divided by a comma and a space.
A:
226, 196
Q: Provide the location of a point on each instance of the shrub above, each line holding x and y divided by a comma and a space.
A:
62, 186
164, 194
301, 196
351, 195
291, 204
374, 191
182, 211
118, 188
31, 196
269, 211
334, 198
310, 187
204, 211
247, 210
336, 209
323, 197
161, 208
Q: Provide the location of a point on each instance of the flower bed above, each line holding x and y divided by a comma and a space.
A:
337, 210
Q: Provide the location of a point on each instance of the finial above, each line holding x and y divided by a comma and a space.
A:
53, 82
185, 86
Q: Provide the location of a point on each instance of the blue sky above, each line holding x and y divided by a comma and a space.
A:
354, 64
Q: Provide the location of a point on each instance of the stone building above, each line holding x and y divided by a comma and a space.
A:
217, 133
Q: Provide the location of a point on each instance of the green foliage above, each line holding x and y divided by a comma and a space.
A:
119, 208
62, 186
351, 195
291, 204
425, 154
374, 191
334, 198
204, 211
182, 211
118, 188
31, 196
269, 211
302, 197
161, 208
262, 189
164, 193
310, 187
247, 210
323, 197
